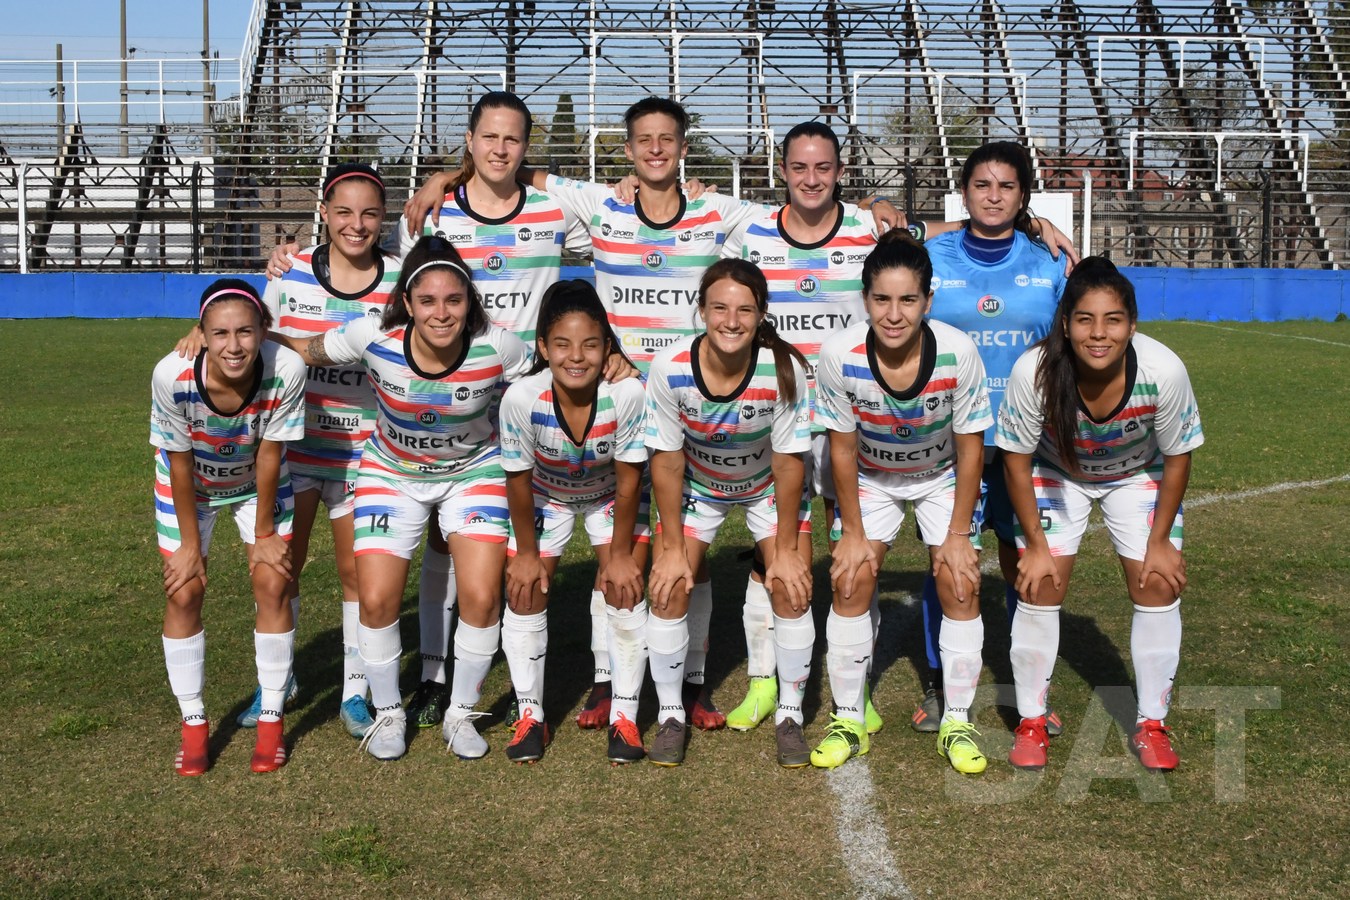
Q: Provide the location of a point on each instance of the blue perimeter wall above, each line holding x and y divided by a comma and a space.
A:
1262, 295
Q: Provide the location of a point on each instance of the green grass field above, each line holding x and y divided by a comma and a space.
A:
89, 804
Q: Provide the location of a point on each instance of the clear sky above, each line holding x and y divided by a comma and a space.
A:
90, 29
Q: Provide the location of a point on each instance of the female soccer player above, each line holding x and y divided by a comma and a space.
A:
995, 282
1097, 412
439, 370
728, 424
345, 278
905, 405
573, 448
220, 422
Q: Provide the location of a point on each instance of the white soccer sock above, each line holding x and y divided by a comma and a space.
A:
874, 614
353, 673
668, 642
757, 616
600, 636
699, 618
961, 644
380, 650
436, 595
1035, 644
525, 643
848, 648
627, 658
1155, 644
793, 640
273, 654
474, 649
185, 660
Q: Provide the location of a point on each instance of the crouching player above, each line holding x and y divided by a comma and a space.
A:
728, 422
573, 447
220, 421
905, 404
1096, 412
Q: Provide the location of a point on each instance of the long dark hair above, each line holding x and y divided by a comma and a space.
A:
897, 249
825, 133
575, 296
439, 251
490, 100
1057, 374
748, 274
1011, 154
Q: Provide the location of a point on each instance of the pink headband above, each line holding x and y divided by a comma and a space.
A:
227, 292
367, 175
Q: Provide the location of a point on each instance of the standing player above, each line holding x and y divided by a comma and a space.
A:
439, 370
728, 424
511, 237
1096, 412
811, 251
572, 447
904, 403
993, 281
220, 422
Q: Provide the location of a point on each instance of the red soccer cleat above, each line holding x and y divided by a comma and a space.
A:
1029, 744
1153, 747
595, 713
192, 758
699, 708
269, 753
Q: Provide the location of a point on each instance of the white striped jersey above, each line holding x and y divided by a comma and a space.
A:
647, 273
512, 259
224, 443
339, 402
728, 441
430, 426
906, 433
814, 289
1157, 414
572, 468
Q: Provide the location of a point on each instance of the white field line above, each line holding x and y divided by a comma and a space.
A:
1292, 337
863, 838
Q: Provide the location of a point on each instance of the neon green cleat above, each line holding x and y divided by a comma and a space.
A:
956, 741
844, 739
759, 703
871, 718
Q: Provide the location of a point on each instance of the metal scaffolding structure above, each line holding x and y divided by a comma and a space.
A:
1189, 133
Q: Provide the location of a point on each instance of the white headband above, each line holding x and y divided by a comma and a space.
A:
439, 263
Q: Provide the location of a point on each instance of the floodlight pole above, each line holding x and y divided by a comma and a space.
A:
122, 114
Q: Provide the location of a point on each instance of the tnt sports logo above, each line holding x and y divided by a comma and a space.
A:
685, 236
718, 437
1021, 281
935, 283
227, 449
808, 285
837, 258
462, 393
991, 306
373, 312
654, 260
755, 257
605, 229
904, 432
524, 235
931, 403
494, 263
748, 412
428, 417
602, 447
1131, 425
291, 304
278, 509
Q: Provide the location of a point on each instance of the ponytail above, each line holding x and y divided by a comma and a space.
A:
766, 335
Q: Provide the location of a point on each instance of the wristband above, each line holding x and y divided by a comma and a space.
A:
259, 537
965, 534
